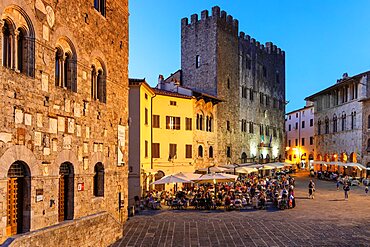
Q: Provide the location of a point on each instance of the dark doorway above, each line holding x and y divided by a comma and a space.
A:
66, 192
157, 176
244, 158
18, 199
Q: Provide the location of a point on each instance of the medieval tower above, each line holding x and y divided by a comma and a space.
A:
250, 79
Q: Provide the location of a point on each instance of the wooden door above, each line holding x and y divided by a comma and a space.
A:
12, 210
61, 198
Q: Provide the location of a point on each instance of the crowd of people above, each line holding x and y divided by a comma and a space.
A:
249, 191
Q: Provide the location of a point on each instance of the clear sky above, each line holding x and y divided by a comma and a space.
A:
322, 39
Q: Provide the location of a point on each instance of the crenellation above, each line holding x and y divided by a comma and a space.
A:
242, 35
204, 15
216, 11
194, 18
184, 22
223, 15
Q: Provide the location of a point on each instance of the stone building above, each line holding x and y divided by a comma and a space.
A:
340, 127
249, 77
64, 115
299, 129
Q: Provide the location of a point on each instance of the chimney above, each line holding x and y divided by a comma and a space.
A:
160, 81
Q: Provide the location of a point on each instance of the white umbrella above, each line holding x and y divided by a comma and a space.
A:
187, 175
215, 177
215, 169
171, 179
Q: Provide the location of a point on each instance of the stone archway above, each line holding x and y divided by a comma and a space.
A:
63, 157
16, 153
66, 192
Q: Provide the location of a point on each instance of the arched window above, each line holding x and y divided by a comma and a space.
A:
244, 158
98, 81
7, 45
18, 41
335, 124
326, 125
211, 152
99, 5
353, 120
99, 180
319, 127
209, 123
200, 151
344, 122
66, 65
200, 121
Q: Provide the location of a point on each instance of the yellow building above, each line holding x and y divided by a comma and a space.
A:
172, 129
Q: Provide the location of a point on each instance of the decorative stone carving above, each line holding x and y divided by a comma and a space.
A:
18, 116
50, 17
38, 138
45, 82
27, 119
53, 125
61, 124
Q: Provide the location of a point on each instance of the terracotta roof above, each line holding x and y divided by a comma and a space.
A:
339, 84
168, 93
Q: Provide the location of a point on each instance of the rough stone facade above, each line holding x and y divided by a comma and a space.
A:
340, 130
81, 232
44, 124
248, 76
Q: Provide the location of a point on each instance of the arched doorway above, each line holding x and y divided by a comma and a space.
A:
158, 176
18, 199
66, 192
244, 158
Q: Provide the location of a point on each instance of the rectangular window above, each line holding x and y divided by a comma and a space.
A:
289, 127
146, 96
261, 130
146, 149
290, 143
197, 61
261, 98
267, 130
311, 122
251, 128
172, 123
173, 151
267, 100
296, 125
311, 140
155, 150
302, 142
303, 124
188, 124
155, 120
251, 94
146, 116
228, 152
228, 125
173, 103
188, 151
296, 142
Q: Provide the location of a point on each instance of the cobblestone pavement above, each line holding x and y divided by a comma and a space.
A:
327, 220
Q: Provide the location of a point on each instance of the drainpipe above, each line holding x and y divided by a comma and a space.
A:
151, 130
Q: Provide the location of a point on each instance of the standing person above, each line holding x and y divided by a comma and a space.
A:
338, 184
366, 190
311, 189
346, 190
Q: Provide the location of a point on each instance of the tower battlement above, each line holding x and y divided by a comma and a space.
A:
268, 47
221, 17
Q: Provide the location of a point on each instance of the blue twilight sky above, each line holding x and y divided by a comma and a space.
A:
322, 39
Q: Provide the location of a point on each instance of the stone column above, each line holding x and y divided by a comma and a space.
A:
15, 50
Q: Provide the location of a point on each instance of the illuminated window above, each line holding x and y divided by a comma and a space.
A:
173, 151
172, 123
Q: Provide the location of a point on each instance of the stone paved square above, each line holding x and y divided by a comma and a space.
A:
327, 220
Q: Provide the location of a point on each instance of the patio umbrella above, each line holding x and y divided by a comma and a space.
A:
171, 179
243, 170
187, 175
215, 169
215, 178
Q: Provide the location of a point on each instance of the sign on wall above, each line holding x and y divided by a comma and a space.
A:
80, 186
121, 145
39, 195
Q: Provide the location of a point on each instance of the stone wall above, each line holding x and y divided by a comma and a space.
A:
223, 73
100, 229
43, 125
